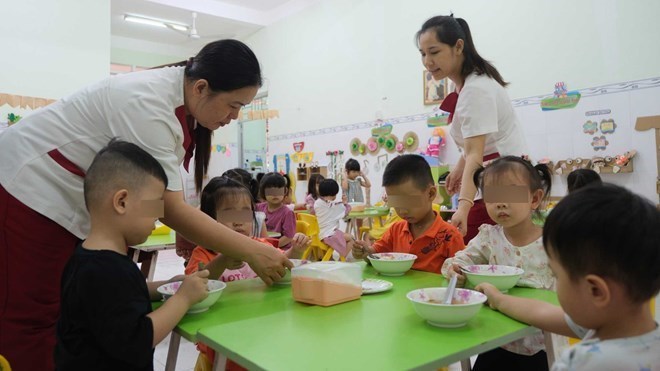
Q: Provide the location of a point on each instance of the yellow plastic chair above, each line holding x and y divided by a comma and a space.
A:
303, 227
317, 248
4, 364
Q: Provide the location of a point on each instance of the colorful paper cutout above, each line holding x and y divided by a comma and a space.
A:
600, 143
298, 146
561, 99
607, 126
590, 127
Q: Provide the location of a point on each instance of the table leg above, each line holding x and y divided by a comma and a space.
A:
136, 255
466, 365
172, 352
220, 362
152, 266
549, 348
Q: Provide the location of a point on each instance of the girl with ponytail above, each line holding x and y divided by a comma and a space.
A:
513, 191
483, 123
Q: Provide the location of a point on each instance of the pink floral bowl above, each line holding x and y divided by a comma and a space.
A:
428, 304
503, 277
215, 290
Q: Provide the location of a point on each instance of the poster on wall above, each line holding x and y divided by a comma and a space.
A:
434, 91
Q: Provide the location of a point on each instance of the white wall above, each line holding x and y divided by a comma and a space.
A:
341, 61
52, 48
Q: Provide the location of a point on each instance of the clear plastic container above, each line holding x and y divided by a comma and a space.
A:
326, 283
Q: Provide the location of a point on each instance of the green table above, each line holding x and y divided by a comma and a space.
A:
263, 328
148, 250
369, 212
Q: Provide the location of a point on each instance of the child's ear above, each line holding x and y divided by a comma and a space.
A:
433, 191
599, 291
537, 198
119, 200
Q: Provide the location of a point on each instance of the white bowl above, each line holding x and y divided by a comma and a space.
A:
428, 304
286, 280
392, 263
215, 290
503, 277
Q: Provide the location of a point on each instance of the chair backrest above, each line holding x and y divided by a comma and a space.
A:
302, 227
311, 220
436, 208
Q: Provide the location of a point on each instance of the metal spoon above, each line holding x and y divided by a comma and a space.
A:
450, 289
372, 256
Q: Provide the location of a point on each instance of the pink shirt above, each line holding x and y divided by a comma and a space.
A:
282, 220
309, 203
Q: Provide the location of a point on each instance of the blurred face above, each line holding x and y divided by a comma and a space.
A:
236, 213
215, 110
352, 174
275, 196
143, 208
440, 59
411, 203
508, 199
569, 294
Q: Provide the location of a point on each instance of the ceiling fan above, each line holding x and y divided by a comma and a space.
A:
193, 34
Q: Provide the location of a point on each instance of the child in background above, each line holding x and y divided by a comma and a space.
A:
411, 190
244, 177
279, 218
581, 177
513, 189
352, 183
605, 280
312, 191
106, 317
377, 232
231, 204
329, 213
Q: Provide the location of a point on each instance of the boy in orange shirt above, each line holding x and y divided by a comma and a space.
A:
411, 190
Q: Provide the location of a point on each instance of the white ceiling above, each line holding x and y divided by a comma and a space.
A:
216, 19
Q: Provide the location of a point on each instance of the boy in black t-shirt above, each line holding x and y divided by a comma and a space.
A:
106, 320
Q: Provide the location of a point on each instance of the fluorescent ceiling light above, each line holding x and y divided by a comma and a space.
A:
155, 22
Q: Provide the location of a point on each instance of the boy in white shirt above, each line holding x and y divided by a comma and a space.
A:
603, 246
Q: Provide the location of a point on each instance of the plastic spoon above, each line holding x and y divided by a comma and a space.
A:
450, 289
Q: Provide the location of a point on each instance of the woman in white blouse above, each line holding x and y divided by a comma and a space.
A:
483, 123
169, 112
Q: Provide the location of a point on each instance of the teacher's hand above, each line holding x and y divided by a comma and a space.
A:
453, 182
268, 263
459, 220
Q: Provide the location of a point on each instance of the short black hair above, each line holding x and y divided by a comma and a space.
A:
352, 165
538, 176
314, 180
272, 180
408, 167
328, 187
608, 231
244, 177
218, 190
581, 177
119, 165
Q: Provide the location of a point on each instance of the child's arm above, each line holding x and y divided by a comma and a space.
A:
361, 249
219, 264
264, 232
539, 314
153, 286
164, 319
365, 181
476, 252
288, 228
344, 183
299, 244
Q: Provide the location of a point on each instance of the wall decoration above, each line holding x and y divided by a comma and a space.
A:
607, 126
302, 157
648, 123
561, 99
12, 119
600, 143
434, 91
410, 141
437, 120
381, 163
21, 101
598, 112
436, 141
590, 127
354, 145
390, 143
336, 164
372, 146
382, 129
298, 146
281, 163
